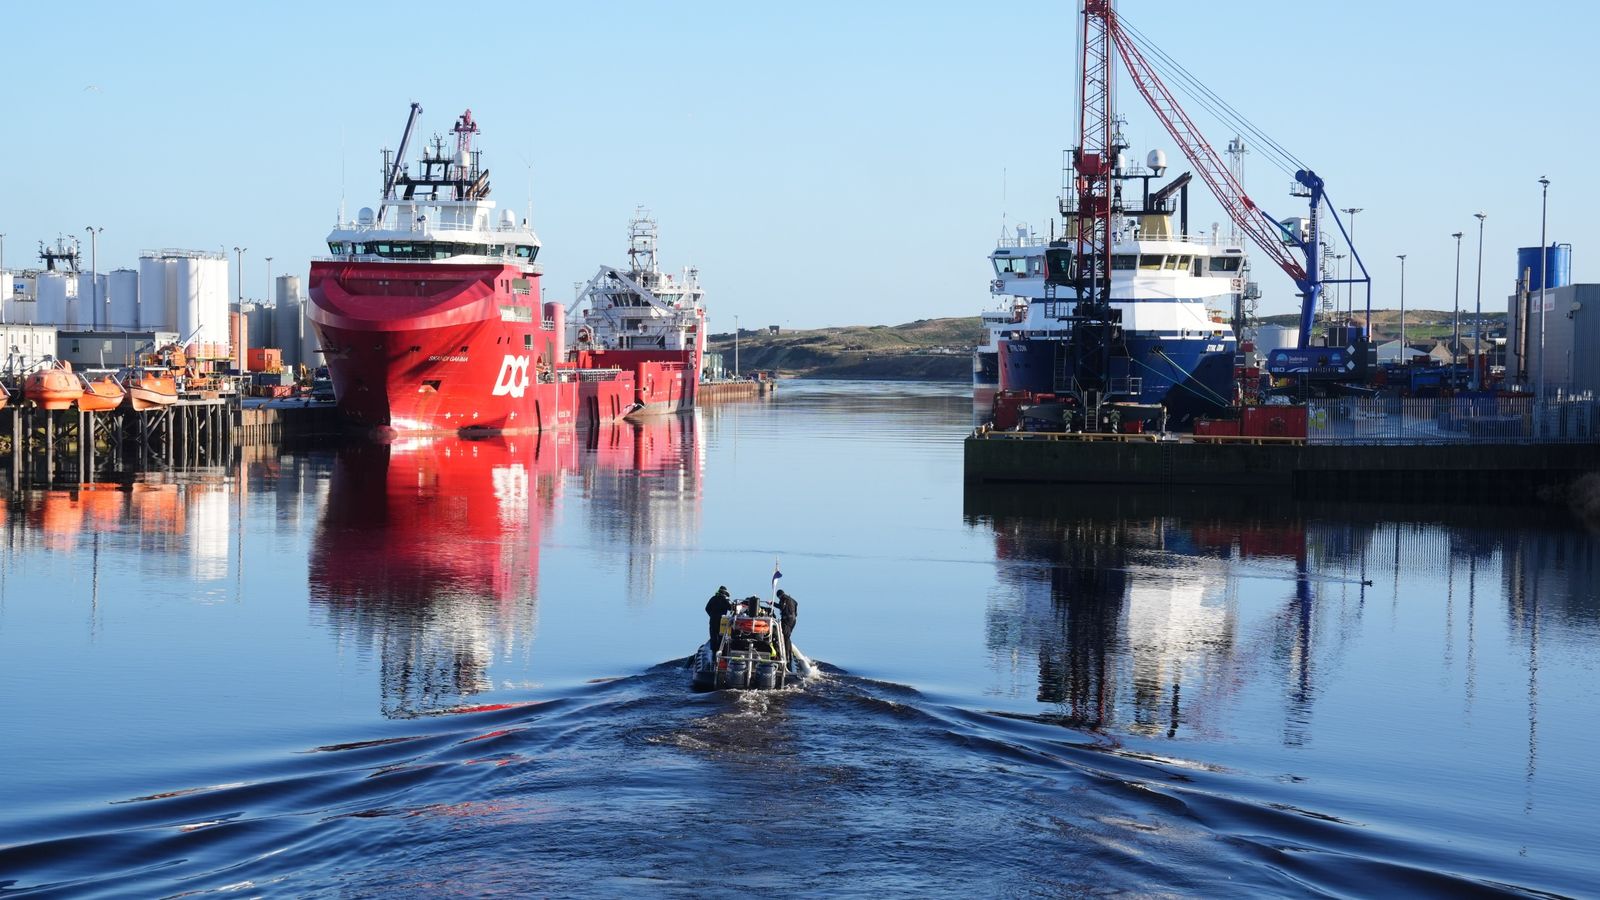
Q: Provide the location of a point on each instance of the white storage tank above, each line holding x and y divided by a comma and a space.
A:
214, 302
286, 322
186, 279
91, 306
153, 271
122, 288
1276, 337
51, 290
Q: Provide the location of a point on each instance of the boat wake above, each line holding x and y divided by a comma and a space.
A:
868, 786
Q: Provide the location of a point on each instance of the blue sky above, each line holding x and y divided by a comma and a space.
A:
822, 163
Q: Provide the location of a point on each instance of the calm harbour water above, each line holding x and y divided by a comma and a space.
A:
455, 668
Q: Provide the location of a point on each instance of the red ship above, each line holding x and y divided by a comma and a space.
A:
430, 317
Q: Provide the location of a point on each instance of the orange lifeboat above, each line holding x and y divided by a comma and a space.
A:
151, 390
55, 387
103, 394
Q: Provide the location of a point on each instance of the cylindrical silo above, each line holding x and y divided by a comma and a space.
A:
122, 286
186, 276
214, 303
1557, 265
153, 272
91, 305
52, 294
286, 320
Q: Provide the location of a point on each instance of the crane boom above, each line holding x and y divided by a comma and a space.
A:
393, 175
1262, 229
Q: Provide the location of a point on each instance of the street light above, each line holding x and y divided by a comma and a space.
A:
239, 279
94, 276
1455, 340
1338, 267
1477, 327
1351, 310
1405, 349
268, 295
1544, 279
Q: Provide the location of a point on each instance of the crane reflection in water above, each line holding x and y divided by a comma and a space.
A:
1145, 612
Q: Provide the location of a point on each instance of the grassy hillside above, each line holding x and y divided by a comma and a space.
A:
1422, 325
925, 350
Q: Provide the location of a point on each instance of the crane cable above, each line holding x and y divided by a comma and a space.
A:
1197, 91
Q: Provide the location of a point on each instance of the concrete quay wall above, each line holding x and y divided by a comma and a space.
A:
1479, 471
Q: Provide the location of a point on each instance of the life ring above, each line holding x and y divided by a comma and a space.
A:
585, 334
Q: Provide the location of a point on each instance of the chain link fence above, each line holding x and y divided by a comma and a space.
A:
1454, 420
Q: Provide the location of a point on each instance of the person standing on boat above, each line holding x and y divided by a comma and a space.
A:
716, 608
791, 611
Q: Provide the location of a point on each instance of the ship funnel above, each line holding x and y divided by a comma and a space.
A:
556, 314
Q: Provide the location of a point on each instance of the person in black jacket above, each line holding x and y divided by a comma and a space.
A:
716, 608
791, 611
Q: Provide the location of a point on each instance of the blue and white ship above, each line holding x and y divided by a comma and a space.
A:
1167, 345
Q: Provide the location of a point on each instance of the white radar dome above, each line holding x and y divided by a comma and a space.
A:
1157, 160
364, 217
461, 159
508, 219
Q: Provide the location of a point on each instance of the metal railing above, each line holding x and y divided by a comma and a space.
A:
1454, 420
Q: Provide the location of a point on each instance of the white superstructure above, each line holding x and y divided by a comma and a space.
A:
640, 307
441, 215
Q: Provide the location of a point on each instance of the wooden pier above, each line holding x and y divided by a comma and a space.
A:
45, 447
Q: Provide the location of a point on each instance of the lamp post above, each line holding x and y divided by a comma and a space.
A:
268, 295
239, 263
1477, 327
1544, 279
1351, 311
94, 276
1455, 340
1405, 349
1338, 267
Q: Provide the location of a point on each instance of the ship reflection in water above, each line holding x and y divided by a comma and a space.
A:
1173, 616
428, 550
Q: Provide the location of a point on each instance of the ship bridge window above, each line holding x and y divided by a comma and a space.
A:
527, 252
1124, 262
1176, 263
1226, 263
1016, 265
1151, 263
337, 248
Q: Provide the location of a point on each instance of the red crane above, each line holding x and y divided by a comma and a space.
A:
1095, 162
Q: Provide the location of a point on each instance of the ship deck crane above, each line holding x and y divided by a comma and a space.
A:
1103, 30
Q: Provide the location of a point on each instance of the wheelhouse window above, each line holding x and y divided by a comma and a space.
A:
1226, 263
1177, 263
1151, 263
527, 252
1124, 262
1015, 265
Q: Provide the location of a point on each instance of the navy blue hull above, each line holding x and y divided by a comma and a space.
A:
1190, 376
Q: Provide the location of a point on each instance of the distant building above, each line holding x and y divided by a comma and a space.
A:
1571, 348
24, 346
772, 329
1396, 352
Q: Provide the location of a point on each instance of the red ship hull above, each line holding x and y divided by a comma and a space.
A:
449, 348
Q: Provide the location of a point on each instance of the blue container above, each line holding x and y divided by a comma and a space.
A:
1557, 261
